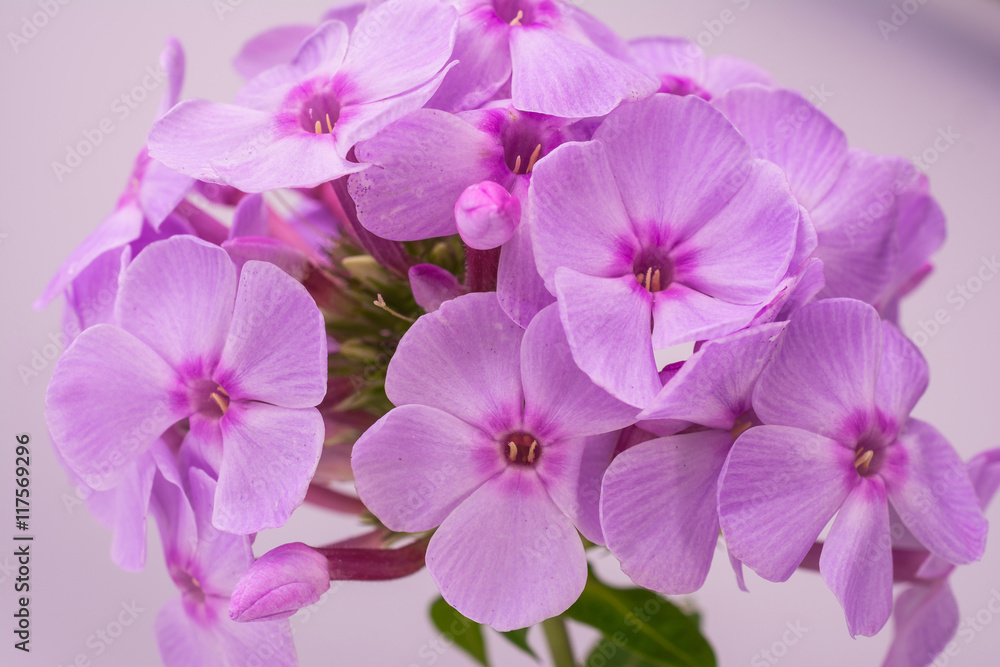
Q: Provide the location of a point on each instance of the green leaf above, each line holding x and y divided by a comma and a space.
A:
519, 638
466, 634
609, 654
643, 623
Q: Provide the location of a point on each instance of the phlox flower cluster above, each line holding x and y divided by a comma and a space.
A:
418, 271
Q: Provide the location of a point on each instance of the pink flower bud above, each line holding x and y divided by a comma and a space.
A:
487, 215
281, 582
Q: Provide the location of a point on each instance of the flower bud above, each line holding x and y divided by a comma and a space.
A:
487, 215
281, 582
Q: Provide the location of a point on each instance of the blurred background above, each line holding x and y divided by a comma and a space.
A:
918, 78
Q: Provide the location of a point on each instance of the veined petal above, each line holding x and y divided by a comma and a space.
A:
269, 455
483, 55
822, 377
778, 489
658, 509
507, 556
417, 464
930, 488
109, 399
560, 401
463, 359
276, 348
902, 378
926, 618
555, 75
607, 324
221, 558
269, 48
682, 315
520, 288
184, 319
856, 561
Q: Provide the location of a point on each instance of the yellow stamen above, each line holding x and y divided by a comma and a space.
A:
329, 125
511, 451
221, 398
319, 127
863, 460
517, 19
517, 164
740, 428
531, 451
649, 278
656, 281
534, 158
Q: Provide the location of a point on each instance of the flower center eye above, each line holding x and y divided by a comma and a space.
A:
521, 448
514, 12
319, 113
221, 398
654, 270
863, 459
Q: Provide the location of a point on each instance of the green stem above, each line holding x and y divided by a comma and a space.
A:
558, 639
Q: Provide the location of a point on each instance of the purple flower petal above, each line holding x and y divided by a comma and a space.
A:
682, 168
777, 491
412, 170
270, 48
250, 217
578, 218
715, 385
555, 75
220, 558
902, 379
109, 399
725, 72
659, 512
926, 618
269, 457
432, 286
416, 464
507, 556
571, 471
520, 288
184, 319
463, 359
483, 54
856, 562
560, 401
783, 127
276, 348
271, 251
823, 375
607, 326
930, 488
682, 314
395, 49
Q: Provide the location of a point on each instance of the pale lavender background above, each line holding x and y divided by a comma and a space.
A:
940, 70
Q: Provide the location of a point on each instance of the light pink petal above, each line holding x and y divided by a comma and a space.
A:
578, 219
172, 63
571, 471
272, 251
856, 224
856, 562
681, 169
417, 464
555, 75
725, 72
777, 491
659, 511
221, 558
783, 127
184, 318
607, 324
395, 48
507, 556
120, 228
984, 471
744, 251
269, 48
279, 583
269, 457
902, 378
432, 286
464, 359
926, 618
413, 172
930, 488
823, 376
109, 399
715, 385
674, 57
276, 349
483, 55
90, 299
682, 315
161, 190
248, 149
250, 217
520, 288
553, 411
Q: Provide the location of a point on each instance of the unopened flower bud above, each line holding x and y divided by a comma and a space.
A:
281, 582
487, 215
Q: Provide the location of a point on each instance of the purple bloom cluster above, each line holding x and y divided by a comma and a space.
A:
433, 247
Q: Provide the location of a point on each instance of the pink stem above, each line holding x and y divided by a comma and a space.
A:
334, 500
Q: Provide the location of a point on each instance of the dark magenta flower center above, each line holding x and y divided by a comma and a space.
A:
653, 269
319, 112
521, 448
515, 12
209, 398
